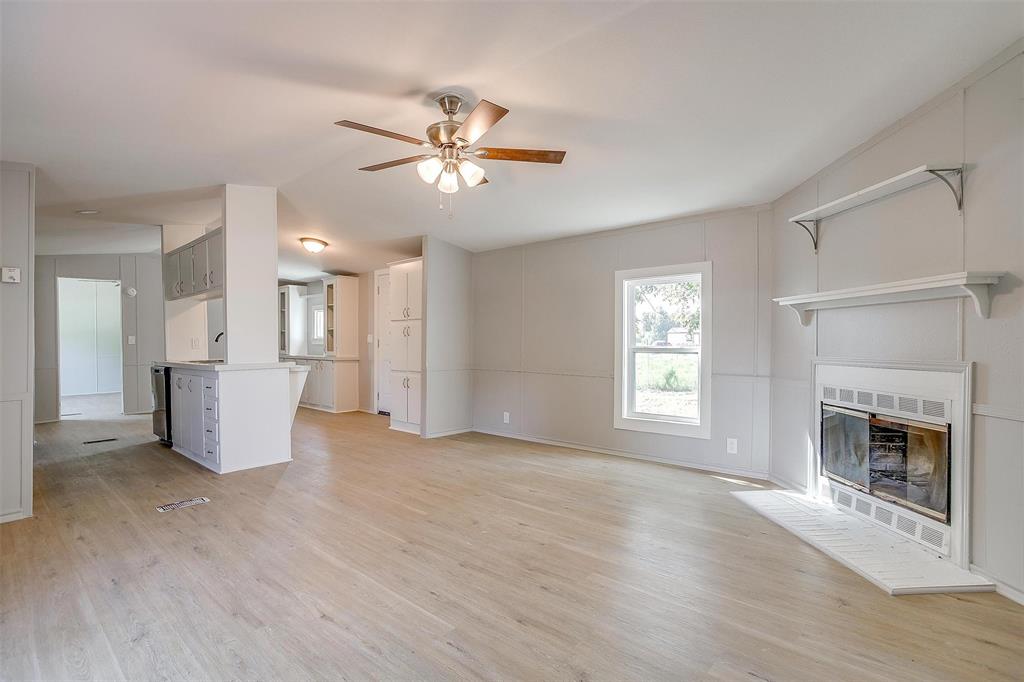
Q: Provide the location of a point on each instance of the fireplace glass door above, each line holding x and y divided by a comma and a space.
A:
909, 464
844, 445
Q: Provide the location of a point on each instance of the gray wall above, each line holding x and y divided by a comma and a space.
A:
447, 338
17, 242
141, 317
543, 337
914, 234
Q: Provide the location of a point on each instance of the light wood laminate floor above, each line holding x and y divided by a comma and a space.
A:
377, 555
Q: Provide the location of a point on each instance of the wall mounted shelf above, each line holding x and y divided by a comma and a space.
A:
952, 177
973, 285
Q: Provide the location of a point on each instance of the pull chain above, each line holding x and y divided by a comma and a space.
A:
451, 203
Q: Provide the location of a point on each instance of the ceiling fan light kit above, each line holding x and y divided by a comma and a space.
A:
450, 140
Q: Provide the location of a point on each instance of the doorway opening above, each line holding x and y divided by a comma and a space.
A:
89, 343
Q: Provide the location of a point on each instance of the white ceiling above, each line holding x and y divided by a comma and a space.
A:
664, 109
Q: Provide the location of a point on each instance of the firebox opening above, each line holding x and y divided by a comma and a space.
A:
898, 460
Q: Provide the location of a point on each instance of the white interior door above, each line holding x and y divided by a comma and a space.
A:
382, 357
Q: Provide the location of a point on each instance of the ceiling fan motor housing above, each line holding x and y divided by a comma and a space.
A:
442, 132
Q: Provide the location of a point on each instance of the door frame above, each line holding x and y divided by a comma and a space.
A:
120, 313
375, 346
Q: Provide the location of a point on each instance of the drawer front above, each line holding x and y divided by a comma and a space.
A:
211, 431
211, 452
211, 410
209, 388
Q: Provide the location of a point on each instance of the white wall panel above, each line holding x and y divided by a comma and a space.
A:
732, 248
494, 393
498, 309
908, 331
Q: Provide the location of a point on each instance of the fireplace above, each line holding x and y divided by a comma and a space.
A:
902, 461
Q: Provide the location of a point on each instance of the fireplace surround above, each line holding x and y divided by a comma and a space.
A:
892, 445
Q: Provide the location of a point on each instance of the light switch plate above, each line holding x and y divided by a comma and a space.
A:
506, 417
131, 340
11, 275
369, 339
731, 446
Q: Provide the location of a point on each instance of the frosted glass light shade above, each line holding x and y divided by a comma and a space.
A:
471, 173
429, 169
449, 182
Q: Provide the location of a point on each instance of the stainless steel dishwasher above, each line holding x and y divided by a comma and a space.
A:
162, 404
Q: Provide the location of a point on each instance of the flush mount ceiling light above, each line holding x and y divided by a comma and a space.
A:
88, 211
313, 245
449, 143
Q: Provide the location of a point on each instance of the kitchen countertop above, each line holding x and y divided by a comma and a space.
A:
332, 358
222, 366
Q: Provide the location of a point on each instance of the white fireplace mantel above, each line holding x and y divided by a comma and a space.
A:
974, 285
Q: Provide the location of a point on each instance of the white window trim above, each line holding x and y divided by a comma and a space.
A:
701, 429
313, 332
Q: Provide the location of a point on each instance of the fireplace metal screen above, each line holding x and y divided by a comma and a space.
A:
899, 460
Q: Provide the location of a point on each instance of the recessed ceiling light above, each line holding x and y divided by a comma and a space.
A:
313, 245
88, 211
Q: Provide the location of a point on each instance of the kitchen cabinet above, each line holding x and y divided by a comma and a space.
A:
405, 293
195, 416
341, 316
170, 273
200, 274
186, 272
291, 311
406, 345
215, 259
331, 385
195, 268
405, 397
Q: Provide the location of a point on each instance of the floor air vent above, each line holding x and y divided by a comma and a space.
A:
98, 440
182, 504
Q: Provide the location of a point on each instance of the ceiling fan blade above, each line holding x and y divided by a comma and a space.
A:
380, 131
531, 155
484, 115
397, 162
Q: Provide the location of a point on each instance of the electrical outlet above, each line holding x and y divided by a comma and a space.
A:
731, 446
506, 417
195, 343
12, 275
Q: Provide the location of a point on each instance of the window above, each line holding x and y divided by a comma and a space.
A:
318, 324
662, 349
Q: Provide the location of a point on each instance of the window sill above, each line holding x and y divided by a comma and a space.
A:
665, 427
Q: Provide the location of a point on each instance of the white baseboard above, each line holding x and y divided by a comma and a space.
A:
442, 434
14, 516
405, 427
786, 483
1011, 593
746, 473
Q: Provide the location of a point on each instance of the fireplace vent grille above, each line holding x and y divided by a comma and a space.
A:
909, 405
926, 532
930, 410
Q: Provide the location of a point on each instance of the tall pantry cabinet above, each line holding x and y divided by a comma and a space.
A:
405, 305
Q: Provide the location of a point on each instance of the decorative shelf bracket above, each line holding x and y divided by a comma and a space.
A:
953, 178
958, 188
974, 285
811, 227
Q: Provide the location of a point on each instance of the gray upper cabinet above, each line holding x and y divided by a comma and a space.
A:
186, 272
215, 259
171, 277
195, 268
200, 267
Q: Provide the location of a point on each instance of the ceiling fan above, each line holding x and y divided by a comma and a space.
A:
449, 143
